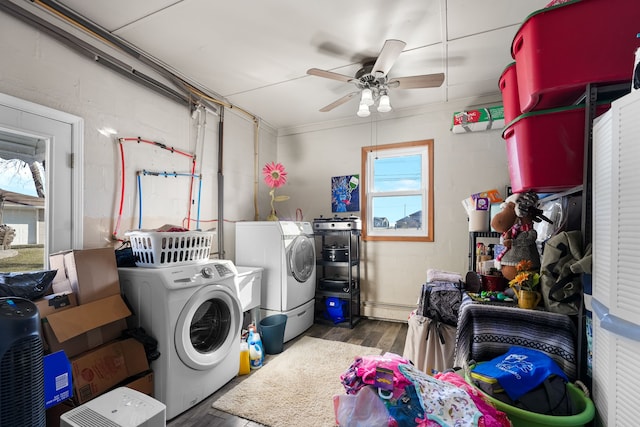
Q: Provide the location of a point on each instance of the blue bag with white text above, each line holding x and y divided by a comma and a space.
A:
519, 370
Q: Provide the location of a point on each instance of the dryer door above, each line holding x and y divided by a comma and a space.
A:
302, 258
208, 326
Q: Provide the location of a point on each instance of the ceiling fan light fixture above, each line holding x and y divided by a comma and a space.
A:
367, 97
372, 80
363, 111
384, 105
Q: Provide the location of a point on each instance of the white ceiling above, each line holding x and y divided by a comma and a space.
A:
256, 53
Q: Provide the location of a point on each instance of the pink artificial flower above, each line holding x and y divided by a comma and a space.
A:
274, 175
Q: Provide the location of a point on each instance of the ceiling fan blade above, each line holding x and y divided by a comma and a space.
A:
388, 55
329, 75
339, 102
416, 82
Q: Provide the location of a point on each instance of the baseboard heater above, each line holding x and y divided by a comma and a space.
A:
374, 305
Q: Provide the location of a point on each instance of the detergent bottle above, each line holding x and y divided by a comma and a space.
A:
256, 352
245, 363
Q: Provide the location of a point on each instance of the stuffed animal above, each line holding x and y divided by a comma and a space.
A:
515, 222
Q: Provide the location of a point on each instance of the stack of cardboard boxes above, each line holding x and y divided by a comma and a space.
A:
85, 319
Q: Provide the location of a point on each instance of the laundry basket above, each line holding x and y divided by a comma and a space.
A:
169, 248
522, 418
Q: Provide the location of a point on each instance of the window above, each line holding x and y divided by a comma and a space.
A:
31, 132
397, 191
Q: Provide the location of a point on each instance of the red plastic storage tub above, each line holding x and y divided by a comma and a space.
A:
558, 50
508, 84
545, 149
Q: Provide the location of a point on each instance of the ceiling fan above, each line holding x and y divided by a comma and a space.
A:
373, 82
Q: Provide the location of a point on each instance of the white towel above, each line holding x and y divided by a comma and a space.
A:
434, 275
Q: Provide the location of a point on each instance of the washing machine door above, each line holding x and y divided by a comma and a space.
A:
208, 326
302, 258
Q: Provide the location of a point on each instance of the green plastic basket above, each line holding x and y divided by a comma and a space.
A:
521, 418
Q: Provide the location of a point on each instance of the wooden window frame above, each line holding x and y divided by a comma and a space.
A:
428, 213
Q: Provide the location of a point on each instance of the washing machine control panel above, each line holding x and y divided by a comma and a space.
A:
218, 270
196, 275
222, 270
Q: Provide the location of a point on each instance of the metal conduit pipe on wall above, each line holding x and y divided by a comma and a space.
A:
101, 57
221, 185
94, 53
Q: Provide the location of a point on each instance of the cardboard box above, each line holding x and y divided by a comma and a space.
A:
55, 303
142, 382
56, 262
93, 273
99, 370
84, 327
63, 286
57, 379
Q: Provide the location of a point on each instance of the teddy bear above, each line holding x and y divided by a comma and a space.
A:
515, 221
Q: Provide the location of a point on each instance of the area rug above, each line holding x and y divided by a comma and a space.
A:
295, 387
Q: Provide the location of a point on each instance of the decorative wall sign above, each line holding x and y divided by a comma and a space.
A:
345, 193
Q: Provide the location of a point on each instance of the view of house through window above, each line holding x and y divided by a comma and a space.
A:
22, 202
41, 177
398, 191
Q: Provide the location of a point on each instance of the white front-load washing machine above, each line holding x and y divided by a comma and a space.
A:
286, 252
194, 313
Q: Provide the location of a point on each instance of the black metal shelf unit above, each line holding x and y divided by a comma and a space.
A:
338, 276
592, 95
474, 237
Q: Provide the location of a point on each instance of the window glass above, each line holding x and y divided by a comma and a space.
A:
397, 212
397, 173
50, 219
398, 191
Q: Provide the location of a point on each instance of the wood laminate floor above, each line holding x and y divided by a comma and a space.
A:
388, 336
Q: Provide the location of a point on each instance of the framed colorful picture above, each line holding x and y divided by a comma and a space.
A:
345, 193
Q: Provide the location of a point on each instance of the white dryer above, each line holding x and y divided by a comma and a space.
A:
195, 315
286, 252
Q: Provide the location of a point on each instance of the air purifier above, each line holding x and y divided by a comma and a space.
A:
21, 365
121, 407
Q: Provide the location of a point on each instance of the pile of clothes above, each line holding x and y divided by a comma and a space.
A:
388, 391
